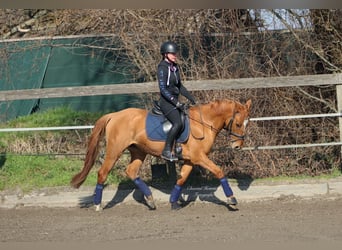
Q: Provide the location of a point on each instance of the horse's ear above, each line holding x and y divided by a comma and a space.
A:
248, 104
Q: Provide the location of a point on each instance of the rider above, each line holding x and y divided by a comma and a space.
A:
170, 87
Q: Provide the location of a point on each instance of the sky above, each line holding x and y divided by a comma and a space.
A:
271, 22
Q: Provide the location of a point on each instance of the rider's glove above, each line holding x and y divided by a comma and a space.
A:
180, 105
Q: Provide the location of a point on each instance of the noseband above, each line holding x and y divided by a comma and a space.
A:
228, 128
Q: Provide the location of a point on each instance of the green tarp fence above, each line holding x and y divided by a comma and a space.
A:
98, 60
63, 62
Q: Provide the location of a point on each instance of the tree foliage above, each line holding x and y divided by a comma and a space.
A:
226, 43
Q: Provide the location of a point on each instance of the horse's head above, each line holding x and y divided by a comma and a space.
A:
236, 124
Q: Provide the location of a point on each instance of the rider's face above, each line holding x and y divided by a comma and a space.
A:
172, 57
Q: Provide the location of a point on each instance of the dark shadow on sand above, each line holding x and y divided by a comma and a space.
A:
196, 187
164, 177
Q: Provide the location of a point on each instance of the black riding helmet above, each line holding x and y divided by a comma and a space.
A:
168, 47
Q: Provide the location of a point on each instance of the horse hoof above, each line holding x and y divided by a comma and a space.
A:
232, 201
150, 203
98, 208
175, 206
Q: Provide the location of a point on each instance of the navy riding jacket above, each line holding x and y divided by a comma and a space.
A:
170, 84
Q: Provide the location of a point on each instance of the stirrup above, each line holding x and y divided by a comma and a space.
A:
169, 156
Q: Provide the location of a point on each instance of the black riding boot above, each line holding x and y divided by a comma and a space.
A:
167, 153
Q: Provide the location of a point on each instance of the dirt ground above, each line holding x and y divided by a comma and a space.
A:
280, 220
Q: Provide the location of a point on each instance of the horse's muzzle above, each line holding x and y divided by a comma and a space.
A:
237, 145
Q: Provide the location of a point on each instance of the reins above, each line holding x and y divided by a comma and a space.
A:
201, 122
227, 128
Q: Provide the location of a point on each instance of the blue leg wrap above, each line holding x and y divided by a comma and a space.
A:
98, 194
226, 188
143, 187
176, 191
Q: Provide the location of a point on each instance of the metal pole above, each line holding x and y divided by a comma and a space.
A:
339, 107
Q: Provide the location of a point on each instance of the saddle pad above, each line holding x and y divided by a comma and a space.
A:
155, 132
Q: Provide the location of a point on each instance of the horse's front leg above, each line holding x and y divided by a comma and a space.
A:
137, 158
206, 163
176, 191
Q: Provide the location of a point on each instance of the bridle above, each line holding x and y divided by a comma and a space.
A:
227, 127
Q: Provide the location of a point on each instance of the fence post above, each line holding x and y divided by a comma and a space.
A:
339, 108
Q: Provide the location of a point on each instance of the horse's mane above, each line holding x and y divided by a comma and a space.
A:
220, 106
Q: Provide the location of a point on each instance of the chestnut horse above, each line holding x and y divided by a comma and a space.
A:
126, 129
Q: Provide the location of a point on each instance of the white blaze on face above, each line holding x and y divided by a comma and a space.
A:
245, 123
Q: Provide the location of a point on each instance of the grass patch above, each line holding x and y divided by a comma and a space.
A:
279, 179
30, 172
27, 159
55, 117
33, 172
59, 116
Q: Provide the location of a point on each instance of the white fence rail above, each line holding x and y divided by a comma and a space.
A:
270, 118
245, 148
46, 128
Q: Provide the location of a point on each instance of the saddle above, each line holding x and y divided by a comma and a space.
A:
157, 125
167, 124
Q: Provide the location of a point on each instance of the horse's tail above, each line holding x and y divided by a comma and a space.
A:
92, 151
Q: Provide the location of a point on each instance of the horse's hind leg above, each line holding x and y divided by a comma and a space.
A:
132, 171
110, 159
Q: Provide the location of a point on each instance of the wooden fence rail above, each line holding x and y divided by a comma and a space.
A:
151, 87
